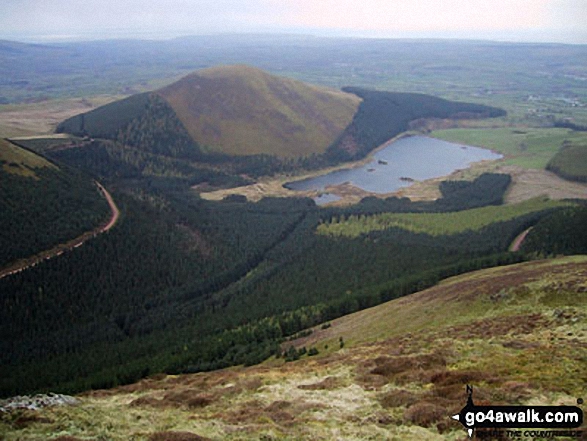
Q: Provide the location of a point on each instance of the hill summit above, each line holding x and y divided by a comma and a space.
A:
243, 110
235, 110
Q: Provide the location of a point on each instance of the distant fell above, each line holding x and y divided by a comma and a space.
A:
241, 110
228, 110
256, 123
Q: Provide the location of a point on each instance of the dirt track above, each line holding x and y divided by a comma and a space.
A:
23, 264
517, 243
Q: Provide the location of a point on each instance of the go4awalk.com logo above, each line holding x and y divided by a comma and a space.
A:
521, 417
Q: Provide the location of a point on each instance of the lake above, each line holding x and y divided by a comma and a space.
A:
413, 158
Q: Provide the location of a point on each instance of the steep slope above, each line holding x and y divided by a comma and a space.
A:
240, 110
517, 334
42, 205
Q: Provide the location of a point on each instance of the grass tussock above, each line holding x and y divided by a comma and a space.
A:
176, 436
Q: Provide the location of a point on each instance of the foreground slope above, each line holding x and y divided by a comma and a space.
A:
518, 334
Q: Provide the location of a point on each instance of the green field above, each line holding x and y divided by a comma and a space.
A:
525, 147
434, 224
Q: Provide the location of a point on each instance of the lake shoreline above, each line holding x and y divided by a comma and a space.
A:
346, 191
398, 164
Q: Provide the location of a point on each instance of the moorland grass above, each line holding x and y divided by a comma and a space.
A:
240, 110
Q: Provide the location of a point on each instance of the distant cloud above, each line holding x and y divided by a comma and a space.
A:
510, 19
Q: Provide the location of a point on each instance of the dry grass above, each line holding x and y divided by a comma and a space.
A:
528, 184
240, 110
42, 118
176, 436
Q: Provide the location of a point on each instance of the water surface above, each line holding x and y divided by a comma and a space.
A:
398, 164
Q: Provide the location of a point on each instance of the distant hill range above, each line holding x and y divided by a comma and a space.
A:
243, 111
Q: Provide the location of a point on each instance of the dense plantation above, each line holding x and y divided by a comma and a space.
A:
562, 232
106, 121
181, 284
112, 160
383, 115
570, 163
43, 205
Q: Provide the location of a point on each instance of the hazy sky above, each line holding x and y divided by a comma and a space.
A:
511, 20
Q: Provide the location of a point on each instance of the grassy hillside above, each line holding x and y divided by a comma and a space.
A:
516, 334
18, 161
240, 110
42, 205
570, 162
570, 237
434, 224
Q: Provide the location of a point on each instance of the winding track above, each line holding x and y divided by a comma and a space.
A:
23, 264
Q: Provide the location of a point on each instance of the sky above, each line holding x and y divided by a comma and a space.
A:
561, 21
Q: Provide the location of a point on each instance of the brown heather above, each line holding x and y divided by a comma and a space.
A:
241, 110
